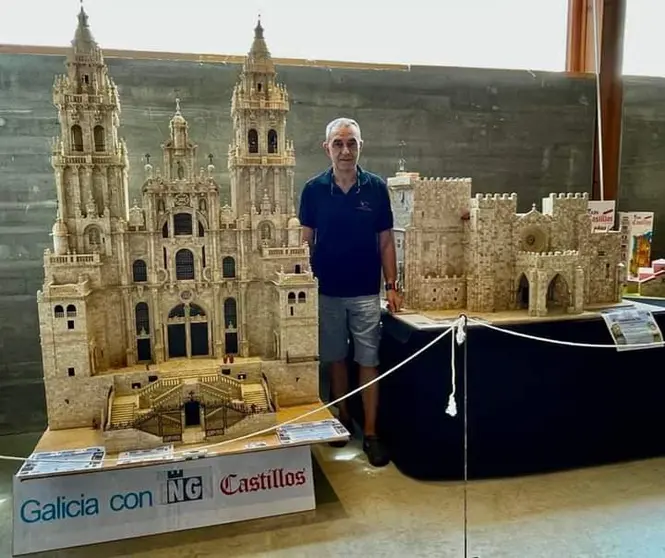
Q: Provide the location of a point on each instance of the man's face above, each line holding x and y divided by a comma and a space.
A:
343, 147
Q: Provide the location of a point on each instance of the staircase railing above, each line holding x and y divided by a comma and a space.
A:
163, 397
215, 392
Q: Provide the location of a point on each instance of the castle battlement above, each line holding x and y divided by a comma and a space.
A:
488, 197
442, 278
540, 259
443, 182
550, 254
570, 196
494, 201
569, 202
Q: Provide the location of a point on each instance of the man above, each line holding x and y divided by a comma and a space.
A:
347, 221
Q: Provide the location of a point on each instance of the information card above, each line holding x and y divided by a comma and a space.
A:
311, 431
633, 329
49, 462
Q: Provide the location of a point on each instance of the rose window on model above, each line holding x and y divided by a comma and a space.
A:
534, 239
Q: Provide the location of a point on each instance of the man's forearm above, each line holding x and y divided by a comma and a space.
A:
389, 258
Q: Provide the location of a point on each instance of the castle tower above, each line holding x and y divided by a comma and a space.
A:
261, 158
89, 159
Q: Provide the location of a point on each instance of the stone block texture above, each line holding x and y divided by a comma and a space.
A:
480, 254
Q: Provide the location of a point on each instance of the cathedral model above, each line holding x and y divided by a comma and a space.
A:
458, 252
184, 318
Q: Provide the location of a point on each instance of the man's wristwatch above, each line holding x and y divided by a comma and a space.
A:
390, 286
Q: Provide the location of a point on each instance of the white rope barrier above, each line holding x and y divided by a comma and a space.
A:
559, 342
284, 423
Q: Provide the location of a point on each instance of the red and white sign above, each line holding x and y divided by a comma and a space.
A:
602, 214
85, 508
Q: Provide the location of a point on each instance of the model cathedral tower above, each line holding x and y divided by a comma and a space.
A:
182, 274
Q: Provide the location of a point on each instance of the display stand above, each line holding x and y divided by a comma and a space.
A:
524, 406
262, 476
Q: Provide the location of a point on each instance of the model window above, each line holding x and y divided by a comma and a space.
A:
184, 264
142, 315
302, 297
228, 267
292, 298
253, 141
182, 224
140, 271
272, 141
77, 138
71, 311
100, 143
94, 239
59, 311
230, 313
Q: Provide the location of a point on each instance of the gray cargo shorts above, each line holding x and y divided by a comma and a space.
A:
357, 317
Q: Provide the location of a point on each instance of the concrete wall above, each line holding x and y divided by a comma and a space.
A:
531, 133
643, 153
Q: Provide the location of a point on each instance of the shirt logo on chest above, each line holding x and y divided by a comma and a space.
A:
363, 206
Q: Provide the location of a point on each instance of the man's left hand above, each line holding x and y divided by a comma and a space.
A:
394, 301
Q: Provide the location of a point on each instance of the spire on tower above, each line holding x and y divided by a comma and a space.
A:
84, 42
258, 58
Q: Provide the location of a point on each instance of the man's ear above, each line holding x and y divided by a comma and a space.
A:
325, 147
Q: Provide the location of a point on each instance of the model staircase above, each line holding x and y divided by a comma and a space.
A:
254, 394
123, 410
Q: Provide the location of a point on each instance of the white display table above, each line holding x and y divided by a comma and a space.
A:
250, 479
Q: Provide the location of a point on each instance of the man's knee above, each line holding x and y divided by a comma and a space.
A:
365, 326
333, 332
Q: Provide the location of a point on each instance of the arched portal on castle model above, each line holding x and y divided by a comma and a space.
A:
187, 326
558, 295
523, 293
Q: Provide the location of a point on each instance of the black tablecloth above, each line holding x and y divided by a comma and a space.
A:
532, 406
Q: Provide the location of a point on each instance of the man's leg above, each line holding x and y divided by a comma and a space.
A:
365, 324
333, 350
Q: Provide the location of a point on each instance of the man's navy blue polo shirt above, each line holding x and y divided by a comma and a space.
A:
346, 257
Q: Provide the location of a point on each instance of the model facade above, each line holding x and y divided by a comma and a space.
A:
185, 317
477, 253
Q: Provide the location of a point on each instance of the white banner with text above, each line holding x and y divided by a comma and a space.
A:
85, 508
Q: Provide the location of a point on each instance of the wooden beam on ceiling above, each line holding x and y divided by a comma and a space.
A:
581, 58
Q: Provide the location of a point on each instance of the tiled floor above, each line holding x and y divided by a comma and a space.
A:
609, 512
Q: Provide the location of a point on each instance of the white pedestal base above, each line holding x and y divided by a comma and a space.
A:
77, 509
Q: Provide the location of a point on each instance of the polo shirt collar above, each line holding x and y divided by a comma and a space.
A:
363, 177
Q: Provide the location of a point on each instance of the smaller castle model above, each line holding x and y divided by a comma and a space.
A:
185, 317
456, 251
650, 281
